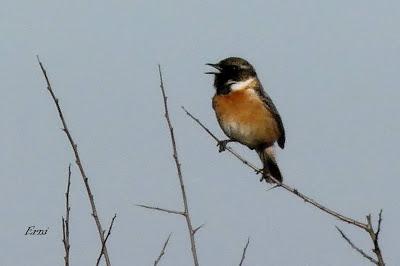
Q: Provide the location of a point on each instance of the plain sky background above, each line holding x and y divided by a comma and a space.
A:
331, 67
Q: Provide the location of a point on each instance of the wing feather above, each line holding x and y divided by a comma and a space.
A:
271, 106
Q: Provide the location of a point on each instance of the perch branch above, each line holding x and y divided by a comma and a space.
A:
232, 151
78, 161
365, 226
286, 187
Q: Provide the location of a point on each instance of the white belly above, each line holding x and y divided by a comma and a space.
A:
243, 133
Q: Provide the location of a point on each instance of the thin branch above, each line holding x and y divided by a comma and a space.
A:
365, 226
105, 240
198, 228
374, 237
379, 223
65, 222
179, 172
160, 209
286, 187
78, 161
359, 250
162, 251
244, 252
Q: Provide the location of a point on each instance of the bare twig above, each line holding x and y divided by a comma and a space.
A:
286, 187
359, 250
375, 236
160, 209
365, 226
105, 240
244, 252
65, 221
77, 160
197, 228
185, 211
379, 223
162, 251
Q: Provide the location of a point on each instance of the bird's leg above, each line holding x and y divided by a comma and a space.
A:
269, 180
265, 177
260, 171
222, 144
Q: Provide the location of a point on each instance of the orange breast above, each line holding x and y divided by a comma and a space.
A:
244, 117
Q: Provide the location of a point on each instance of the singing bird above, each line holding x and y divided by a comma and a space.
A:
246, 114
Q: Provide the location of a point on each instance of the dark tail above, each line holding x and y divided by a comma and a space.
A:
270, 167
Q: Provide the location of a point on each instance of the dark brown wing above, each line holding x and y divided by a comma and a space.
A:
271, 106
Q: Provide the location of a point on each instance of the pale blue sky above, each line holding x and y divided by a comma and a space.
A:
331, 67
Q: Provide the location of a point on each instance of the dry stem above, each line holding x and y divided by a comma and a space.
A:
359, 250
185, 211
65, 221
244, 252
162, 251
105, 240
160, 209
365, 226
77, 161
179, 172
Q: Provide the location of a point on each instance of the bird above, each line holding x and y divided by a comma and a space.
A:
246, 113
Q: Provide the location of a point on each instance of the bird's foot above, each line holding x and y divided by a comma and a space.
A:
267, 178
260, 171
222, 144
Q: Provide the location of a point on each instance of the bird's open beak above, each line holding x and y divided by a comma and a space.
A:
216, 66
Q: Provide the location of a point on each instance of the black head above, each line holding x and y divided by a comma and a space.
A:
230, 71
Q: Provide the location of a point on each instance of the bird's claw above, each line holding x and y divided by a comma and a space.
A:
267, 178
260, 171
222, 144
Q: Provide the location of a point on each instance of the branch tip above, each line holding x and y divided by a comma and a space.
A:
162, 250
244, 251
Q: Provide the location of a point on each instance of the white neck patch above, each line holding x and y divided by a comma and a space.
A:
239, 85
